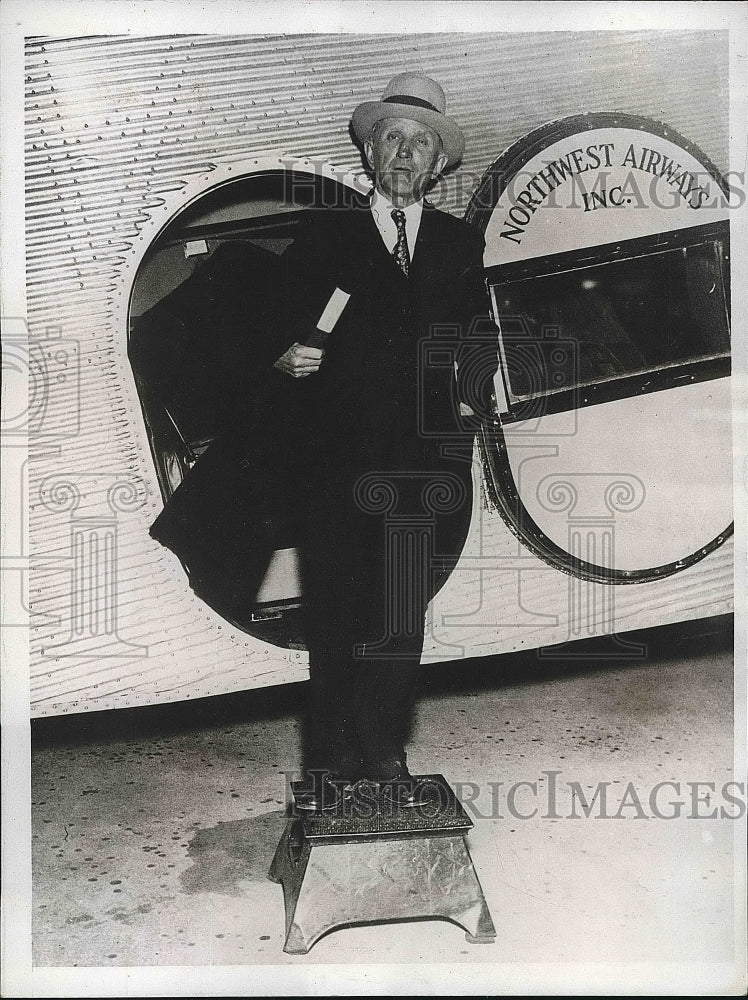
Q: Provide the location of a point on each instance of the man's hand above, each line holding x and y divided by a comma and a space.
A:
300, 361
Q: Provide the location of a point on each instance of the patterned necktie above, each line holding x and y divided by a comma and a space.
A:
400, 253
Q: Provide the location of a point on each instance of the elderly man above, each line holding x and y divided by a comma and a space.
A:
384, 439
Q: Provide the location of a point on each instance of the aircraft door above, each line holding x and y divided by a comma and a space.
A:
607, 265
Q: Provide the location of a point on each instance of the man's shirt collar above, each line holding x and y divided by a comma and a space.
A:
381, 204
381, 209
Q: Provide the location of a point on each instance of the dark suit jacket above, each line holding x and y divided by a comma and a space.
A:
385, 397
388, 372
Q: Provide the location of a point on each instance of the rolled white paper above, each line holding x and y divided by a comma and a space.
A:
331, 313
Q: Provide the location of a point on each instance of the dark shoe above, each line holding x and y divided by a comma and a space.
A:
389, 769
321, 795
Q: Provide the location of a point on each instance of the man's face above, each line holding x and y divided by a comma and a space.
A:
404, 155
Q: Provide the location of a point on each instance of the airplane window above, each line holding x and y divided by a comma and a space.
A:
612, 320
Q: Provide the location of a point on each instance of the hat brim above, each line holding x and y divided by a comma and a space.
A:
369, 113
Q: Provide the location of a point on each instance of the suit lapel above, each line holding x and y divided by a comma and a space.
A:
429, 243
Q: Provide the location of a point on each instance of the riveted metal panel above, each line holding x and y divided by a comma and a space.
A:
120, 134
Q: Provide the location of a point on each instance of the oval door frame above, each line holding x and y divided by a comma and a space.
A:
197, 187
501, 487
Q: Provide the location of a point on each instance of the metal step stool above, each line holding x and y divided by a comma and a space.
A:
371, 861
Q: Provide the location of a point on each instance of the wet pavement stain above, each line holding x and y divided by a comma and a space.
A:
122, 915
233, 852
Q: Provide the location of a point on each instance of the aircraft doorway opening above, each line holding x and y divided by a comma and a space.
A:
196, 342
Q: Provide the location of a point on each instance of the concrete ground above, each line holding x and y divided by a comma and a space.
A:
153, 829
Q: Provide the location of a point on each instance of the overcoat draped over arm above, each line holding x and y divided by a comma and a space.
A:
385, 400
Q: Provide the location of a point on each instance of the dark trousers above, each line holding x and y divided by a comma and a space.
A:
370, 565
358, 716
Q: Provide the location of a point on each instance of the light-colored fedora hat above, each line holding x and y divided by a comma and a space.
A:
415, 96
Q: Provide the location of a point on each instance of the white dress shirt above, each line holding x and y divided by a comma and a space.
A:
381, 209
